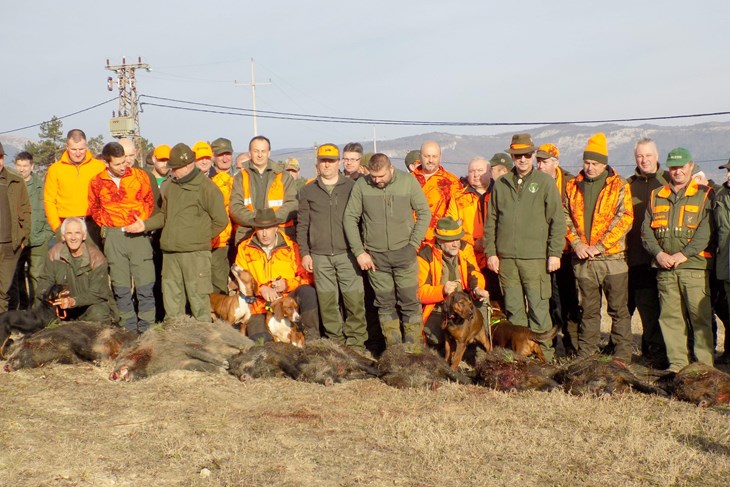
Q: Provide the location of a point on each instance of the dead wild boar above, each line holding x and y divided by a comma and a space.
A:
508, 371
413, 366
272, 359
181, 343
69, 343
702, 385
601, 375
326, 362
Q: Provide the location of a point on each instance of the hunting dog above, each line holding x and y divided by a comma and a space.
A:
519, 339
282, 320
235, 309
34, 319
463, 324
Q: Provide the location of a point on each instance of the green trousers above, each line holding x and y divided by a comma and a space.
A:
337, 275
219, 269
684, 297
527, 290
186, 278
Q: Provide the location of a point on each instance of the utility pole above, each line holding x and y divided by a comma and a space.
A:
253, 85
125, 123
375, 141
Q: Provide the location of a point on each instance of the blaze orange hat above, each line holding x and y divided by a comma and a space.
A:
547, 151
202, 149
596, 149
162, 152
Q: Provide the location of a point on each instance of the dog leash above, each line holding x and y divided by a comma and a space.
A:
489, 326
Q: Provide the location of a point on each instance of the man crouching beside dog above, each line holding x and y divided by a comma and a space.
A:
274, 263
445, 267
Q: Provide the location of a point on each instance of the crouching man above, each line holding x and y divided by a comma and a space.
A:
444, 267
274, 263
84, 269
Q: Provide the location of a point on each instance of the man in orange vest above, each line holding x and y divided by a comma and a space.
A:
599, 214
564, 305
260, 186
66, 192
437, 183
117, 197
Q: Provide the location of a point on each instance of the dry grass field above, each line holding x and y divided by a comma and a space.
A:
70, 426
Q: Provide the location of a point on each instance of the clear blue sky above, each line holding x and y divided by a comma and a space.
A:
469, 61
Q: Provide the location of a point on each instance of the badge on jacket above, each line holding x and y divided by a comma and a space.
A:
532, 188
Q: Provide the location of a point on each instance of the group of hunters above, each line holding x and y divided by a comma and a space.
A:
139, 245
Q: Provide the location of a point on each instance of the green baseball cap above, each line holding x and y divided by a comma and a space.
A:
502, 159
678, 157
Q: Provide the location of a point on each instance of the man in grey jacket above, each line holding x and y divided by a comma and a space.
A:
384, 236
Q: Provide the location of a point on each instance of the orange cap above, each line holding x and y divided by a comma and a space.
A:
162, 152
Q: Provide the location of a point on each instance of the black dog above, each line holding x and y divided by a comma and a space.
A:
34, 319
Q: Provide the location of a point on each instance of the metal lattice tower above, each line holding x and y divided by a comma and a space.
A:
125, 122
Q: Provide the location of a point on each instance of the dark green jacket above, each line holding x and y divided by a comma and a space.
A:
87, 279
681, 222
385, 216
20, 209
192, 213
722, 220
525, 224
319, 220
40, 230
641, 188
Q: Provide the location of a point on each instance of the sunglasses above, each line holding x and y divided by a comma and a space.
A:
523, 156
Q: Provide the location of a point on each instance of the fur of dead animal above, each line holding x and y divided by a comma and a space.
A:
69, 343
412, 366
601, 375
181, 343
508, 371
700, 384
325, 362
272, 359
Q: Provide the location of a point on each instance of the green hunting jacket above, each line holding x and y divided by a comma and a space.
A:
722, 220
641, 188
319, 220
525, 221
380, 220
40, 230
192, 213
20, 209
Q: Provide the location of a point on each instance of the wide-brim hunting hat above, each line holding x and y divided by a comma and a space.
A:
448, 229
181, 155
521, 144
265, 218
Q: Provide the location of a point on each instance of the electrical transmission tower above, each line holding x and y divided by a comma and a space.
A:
125, 122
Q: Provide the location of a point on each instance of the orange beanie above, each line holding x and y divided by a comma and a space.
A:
597, 148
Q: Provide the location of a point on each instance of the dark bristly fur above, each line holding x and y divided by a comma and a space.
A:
601, 375
412, 366
507, 371
701, 384
326, 362
272, 359
34, 319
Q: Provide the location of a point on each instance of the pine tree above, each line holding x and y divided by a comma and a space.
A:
50, 145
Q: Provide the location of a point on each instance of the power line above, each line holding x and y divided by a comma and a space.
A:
59, 118
370, 121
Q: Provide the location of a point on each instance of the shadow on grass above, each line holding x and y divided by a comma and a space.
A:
704, 444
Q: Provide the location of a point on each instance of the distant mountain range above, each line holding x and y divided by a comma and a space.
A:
709, 144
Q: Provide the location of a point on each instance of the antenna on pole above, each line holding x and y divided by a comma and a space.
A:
253, 85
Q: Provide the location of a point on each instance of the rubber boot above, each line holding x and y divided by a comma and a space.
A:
413, 333
391, 332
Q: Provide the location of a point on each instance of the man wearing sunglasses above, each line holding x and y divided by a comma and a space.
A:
524, 238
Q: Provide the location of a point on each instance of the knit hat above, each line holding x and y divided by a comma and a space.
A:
181, 155
413, 157
221, 146
265, 218
448, 229
547, 151
202, 149
678, 157
521, 144
502, 159
162, 152
328, 151
596, 149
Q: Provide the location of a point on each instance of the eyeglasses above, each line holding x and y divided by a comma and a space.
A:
523, 156
347, 159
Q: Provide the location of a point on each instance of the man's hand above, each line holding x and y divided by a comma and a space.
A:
279, 285
307, 263
679, 258
665, 260
65, 303
553, 263
136, 227
493, 264
581, 251
450, 287
268, 293
593, 251
481, 294
366, 262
